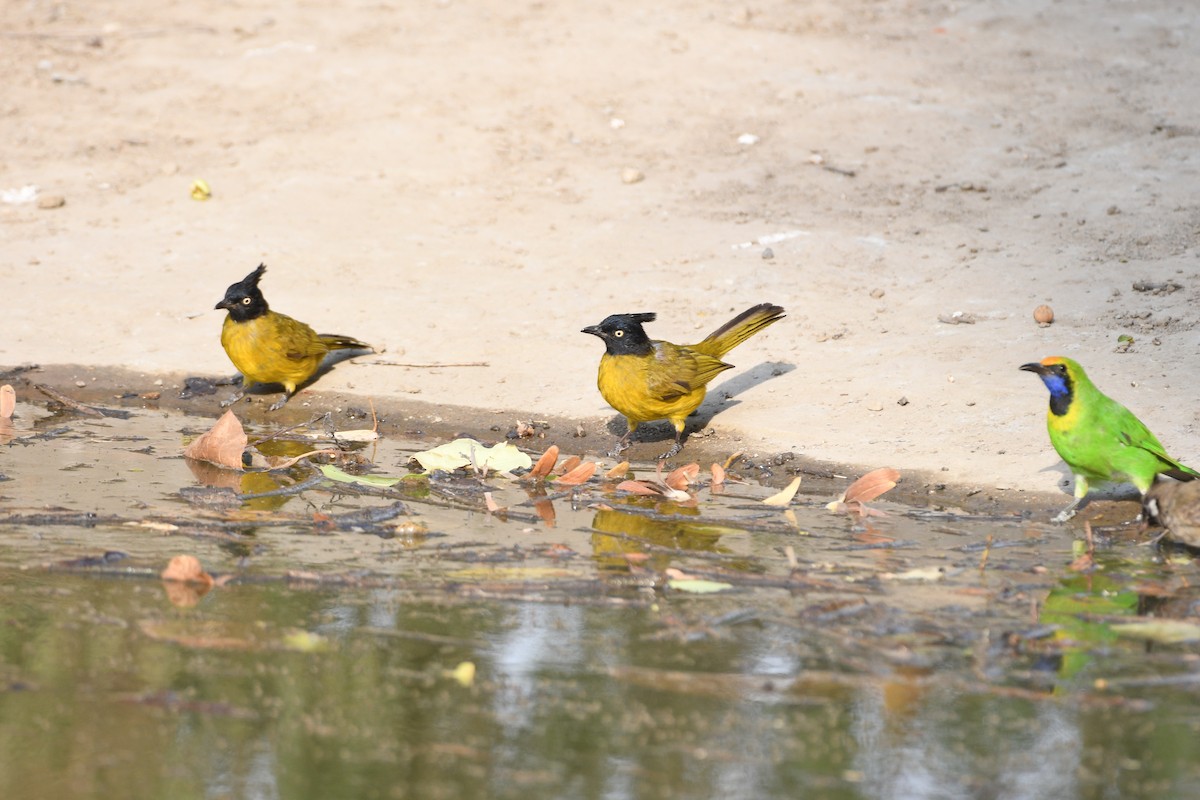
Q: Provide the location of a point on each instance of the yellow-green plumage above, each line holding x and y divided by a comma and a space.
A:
269, 347
1098, 438
646, 379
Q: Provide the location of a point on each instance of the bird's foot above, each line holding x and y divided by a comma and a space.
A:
227, 402
1066, 513
618, 448
674, 451
280, 403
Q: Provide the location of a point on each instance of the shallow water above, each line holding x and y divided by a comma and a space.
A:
925, 653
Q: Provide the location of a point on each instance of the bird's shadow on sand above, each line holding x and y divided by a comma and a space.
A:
718, 399
196, 386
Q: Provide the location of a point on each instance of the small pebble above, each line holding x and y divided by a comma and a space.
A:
875, 407
877, 293
1043, 315
768, 253
631, 175
903, 401
51, 201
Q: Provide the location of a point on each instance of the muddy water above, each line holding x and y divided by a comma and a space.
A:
400, 642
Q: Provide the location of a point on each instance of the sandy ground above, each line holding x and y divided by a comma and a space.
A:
445, 179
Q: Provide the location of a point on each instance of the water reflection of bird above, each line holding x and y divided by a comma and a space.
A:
269, 347
1099, 438
1175, 506
674, 526
647, 379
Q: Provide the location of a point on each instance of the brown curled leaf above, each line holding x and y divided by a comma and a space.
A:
546, 463
871, 485
680, 477
571, 463
223, 444
718, 476
578, 475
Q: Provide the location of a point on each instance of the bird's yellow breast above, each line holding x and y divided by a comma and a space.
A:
273, 348
634, 386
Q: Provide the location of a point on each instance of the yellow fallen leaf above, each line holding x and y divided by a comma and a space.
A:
464, 673
784, 497
200, 189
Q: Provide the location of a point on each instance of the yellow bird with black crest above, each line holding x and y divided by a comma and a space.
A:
646, 379
269, 347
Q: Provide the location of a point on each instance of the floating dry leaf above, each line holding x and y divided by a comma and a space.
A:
784, 497
639, 487
618, 471
546, 463
578, 475
492, 506
571, 463
8, 401
718, 476
871, 485
186, 569
681, 477
223, 444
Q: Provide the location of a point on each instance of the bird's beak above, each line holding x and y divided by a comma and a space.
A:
1035, 367
224, 304
594, 330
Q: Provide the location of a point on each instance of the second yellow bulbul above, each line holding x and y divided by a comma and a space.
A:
646, 379
269, 347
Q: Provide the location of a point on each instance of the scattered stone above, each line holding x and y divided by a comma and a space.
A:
957, 318
1165, 287
876, 406
48, 201
768, 254
877, 293
631, 175
1043, 315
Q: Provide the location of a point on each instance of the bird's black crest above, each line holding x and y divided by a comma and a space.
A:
623, 334
243, 299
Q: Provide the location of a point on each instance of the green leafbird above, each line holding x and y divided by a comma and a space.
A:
1100, 439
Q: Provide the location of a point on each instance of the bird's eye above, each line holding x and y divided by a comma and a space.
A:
246, 301
618, 334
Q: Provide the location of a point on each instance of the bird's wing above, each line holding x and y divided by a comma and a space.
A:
299, 341
676, 371
1130, 431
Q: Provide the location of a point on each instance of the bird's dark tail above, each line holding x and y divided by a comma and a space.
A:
1184, 473
739, 329
335, 341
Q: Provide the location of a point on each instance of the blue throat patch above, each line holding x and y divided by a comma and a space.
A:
1060, 393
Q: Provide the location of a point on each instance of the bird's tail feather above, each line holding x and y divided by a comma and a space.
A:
335, 341
739, 329
1184, 473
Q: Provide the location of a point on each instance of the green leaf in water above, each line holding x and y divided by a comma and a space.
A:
335, 474
1164, 631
